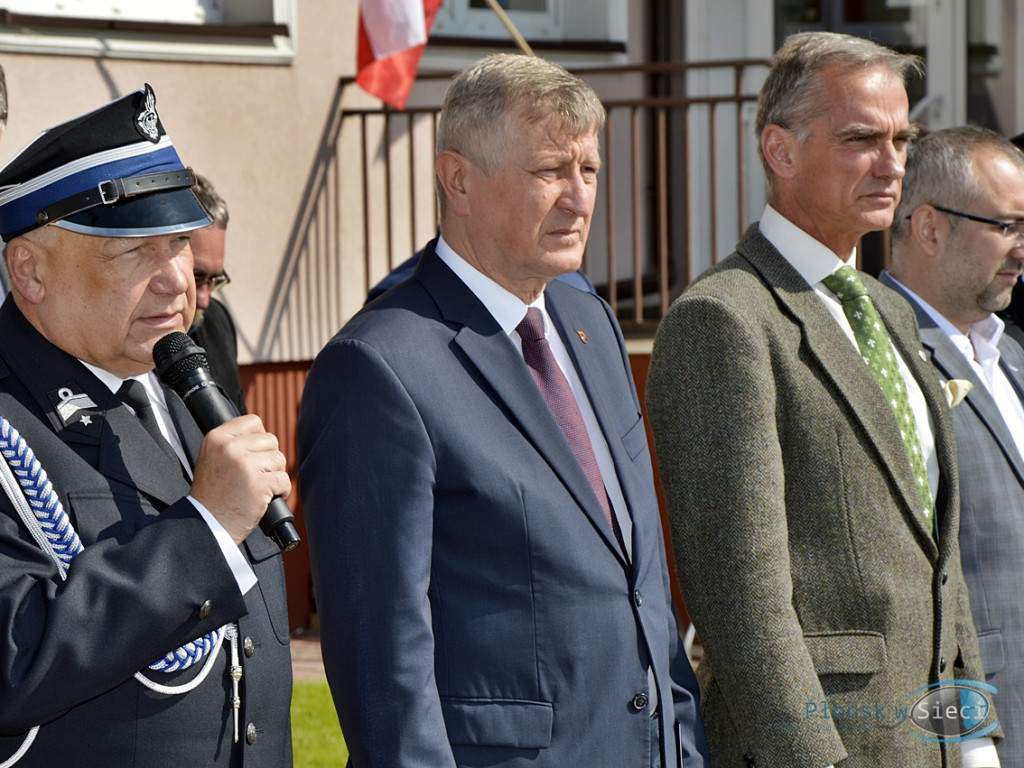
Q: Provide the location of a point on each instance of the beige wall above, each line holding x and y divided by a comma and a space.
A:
300, 253
253, 129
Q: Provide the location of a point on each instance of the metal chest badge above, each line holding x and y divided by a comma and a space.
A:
75, 409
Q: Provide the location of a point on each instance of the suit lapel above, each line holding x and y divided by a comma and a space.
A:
908, 344
843, 365
188, 431
498, 362
951, 364
135, 458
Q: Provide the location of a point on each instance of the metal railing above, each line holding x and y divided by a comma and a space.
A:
679, 178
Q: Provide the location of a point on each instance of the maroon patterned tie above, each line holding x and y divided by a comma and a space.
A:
556, 390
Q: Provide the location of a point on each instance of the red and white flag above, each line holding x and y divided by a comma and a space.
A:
392, 36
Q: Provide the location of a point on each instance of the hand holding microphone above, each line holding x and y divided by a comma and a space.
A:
239, 465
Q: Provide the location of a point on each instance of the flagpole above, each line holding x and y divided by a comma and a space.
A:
516, 35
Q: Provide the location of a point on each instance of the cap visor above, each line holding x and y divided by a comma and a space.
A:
161, 213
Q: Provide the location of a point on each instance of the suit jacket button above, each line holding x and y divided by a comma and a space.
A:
640, 702
205, 609
638, 598
942, 664
250, 733
249, 647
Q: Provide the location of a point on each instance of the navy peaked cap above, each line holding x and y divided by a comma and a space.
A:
113, 172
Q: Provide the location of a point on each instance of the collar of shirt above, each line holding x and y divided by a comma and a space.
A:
984, 336
978, 345
113, 383
811, 258
155, 393
507, 308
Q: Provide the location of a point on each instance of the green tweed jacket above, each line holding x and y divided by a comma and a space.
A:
822, 602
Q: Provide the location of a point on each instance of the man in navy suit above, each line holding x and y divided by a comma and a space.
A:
491, 575
958, 251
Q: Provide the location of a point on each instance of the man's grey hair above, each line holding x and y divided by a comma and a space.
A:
480, 102
941, 171
793, 92
211, 200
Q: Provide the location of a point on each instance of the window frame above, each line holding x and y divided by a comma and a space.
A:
456, 19
271, 42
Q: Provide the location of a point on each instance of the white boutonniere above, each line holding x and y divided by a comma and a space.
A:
956, 390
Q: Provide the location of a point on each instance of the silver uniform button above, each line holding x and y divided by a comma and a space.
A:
205, 609
248, 647
250, 733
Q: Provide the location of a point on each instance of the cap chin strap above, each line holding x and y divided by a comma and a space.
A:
111, 191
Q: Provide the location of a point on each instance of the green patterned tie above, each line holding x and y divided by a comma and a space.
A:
876, 347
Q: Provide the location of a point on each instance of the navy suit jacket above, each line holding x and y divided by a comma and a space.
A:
474, 606
991, 523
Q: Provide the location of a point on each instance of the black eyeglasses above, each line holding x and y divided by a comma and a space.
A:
1011, 229
215, 282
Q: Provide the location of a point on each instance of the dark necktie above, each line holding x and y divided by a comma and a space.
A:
556, 390
876, 348
133, 393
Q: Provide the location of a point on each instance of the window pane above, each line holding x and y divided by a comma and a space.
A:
182, 11
514, 5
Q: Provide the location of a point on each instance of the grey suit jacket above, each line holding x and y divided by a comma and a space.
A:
822, 601
991, 523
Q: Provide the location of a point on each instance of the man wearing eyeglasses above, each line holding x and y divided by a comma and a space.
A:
957, 252
213, 329
1013, 315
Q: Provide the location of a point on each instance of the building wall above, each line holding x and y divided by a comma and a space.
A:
266, 135
253, 129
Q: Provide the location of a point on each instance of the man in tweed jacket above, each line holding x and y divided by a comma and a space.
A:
957, 272
822, 596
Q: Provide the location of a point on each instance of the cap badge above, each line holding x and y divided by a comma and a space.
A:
146, 118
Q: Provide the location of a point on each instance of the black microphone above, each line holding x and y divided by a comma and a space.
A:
181, 365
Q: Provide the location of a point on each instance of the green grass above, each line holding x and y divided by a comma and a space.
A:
316, 736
